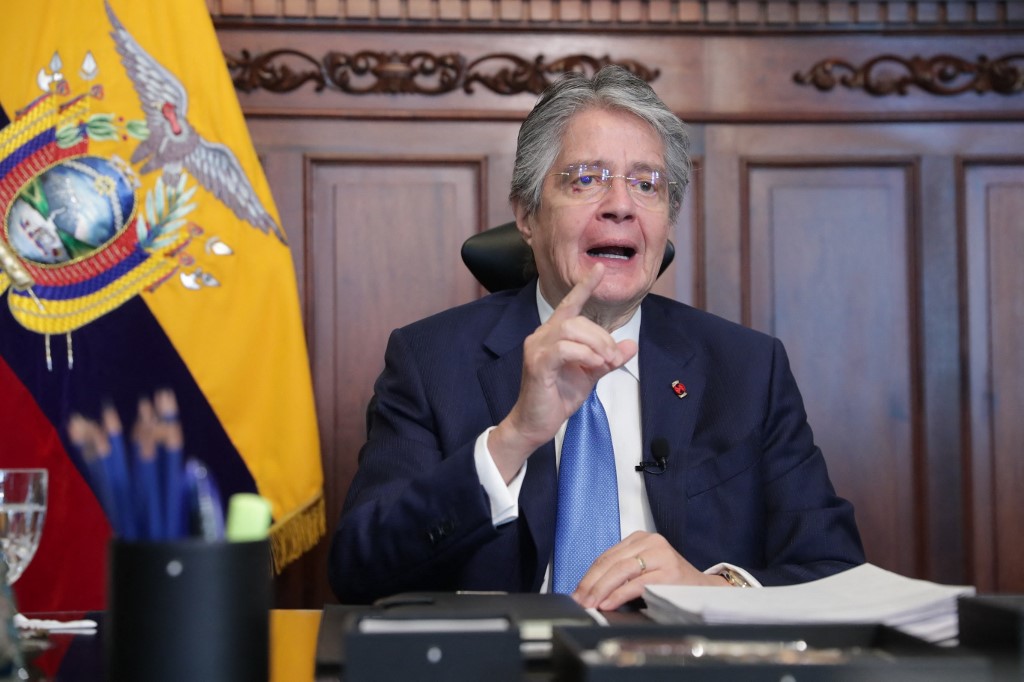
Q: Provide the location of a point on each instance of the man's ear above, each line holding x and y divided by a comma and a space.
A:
524, 223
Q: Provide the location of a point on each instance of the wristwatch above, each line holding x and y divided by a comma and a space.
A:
733, 577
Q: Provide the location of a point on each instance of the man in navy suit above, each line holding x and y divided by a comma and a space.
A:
457, 486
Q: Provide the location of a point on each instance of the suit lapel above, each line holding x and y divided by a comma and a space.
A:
500, 380
501, 376
667, 355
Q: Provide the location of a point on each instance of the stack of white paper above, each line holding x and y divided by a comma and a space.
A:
865, 594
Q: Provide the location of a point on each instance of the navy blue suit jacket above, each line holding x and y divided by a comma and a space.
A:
745, 482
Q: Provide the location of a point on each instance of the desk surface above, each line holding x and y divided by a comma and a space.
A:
79, 658
293, 652
293, 649
293, 645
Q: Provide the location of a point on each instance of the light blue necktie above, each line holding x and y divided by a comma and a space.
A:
587, 519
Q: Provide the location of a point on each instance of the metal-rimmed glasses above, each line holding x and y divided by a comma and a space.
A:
584, 184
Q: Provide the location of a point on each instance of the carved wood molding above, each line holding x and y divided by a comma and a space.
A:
629, 16
939, 75
418, 73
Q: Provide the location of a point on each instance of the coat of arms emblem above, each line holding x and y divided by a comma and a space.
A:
80, 236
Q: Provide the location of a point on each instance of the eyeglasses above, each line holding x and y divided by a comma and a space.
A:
585, 184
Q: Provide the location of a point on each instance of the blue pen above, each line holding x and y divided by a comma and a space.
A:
86, 437
172, 451
205, 508
148, 495
117, 471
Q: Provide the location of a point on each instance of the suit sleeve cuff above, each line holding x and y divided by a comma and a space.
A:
717, 570
504, 499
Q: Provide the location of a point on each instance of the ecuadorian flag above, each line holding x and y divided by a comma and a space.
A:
141, 250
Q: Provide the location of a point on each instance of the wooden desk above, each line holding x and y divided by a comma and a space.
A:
293, 645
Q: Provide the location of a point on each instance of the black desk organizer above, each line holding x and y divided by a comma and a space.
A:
463, 652
890, 655
994, 625
460, 652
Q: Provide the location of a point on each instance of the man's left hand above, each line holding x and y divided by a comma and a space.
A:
620, 574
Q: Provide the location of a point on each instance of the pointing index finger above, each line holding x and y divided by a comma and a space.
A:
572, 304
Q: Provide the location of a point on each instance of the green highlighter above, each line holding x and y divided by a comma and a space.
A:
248, 518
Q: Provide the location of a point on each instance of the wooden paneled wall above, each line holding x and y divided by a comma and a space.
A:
859, 193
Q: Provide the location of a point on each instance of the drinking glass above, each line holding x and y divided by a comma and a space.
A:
22, 513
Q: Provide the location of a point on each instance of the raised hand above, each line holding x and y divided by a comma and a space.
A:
562, 361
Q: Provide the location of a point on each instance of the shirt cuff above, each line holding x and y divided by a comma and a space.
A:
504, 498
717, 569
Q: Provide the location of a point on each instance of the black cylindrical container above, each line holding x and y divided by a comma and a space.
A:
188, 610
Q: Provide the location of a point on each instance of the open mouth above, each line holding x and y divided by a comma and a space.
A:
614, 252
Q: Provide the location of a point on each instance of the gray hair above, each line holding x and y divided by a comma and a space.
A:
615, 88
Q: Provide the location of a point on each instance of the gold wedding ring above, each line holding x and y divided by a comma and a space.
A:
643, 564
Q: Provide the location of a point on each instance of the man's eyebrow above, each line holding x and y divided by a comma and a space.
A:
639, 166
595, 163
647, 167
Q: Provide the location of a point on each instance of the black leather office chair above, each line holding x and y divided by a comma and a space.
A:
500, 259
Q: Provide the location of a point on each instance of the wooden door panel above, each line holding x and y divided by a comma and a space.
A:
993, 230
382, 237
830, 267
684, 279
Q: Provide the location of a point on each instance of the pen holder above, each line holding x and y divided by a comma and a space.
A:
188, 610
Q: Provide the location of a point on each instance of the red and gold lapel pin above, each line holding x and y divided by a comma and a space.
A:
679, 388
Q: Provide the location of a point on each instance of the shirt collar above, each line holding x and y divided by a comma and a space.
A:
630, 330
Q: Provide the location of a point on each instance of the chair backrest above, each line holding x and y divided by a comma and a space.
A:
500, 259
